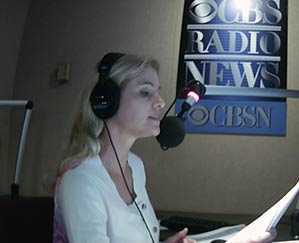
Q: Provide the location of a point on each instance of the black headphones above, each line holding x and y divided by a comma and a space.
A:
105, 97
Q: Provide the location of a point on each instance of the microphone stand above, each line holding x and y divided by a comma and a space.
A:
185, 88
295, 222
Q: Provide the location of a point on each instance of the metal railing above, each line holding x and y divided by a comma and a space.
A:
28, 104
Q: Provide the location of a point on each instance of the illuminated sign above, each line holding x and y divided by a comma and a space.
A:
235, 43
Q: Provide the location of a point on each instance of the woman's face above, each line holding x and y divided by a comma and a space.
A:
140, 105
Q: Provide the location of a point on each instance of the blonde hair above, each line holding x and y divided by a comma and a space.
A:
84, 139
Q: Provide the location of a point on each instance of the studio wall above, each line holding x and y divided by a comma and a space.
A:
208, 172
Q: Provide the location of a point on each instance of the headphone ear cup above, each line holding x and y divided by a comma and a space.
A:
105, 99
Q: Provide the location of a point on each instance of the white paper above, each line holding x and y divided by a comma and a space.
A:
269, 219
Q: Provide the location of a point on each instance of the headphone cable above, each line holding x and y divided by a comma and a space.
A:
126, 183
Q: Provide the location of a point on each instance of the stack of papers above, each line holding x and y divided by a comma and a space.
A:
265, 222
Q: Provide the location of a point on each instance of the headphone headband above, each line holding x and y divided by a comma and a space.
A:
107, 62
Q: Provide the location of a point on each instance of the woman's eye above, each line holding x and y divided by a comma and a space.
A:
145, 93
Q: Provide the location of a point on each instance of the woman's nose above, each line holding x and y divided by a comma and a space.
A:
160, 101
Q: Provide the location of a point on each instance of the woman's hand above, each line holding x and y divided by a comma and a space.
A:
263, 237
180, 237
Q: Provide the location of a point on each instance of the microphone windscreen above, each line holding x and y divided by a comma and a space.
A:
172, 132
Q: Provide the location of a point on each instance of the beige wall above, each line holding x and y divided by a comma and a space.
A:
207, 173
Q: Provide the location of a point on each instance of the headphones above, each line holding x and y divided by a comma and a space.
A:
105, 96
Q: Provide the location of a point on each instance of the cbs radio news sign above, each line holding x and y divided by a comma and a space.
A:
236, 43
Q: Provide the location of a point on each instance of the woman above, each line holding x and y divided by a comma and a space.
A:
100, 192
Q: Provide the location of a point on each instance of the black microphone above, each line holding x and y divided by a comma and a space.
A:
172, 132
172, 128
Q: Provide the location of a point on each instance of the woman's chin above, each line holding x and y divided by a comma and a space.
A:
156, 133
153, 133
156, 130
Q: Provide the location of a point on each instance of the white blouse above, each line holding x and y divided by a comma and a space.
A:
92, 211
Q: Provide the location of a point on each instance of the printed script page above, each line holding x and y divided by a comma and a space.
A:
267, 220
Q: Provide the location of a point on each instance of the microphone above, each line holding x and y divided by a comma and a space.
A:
172, 128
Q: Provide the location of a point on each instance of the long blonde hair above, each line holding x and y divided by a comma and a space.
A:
84, 139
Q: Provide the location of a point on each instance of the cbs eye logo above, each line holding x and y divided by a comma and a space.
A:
203, 11
199, 115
